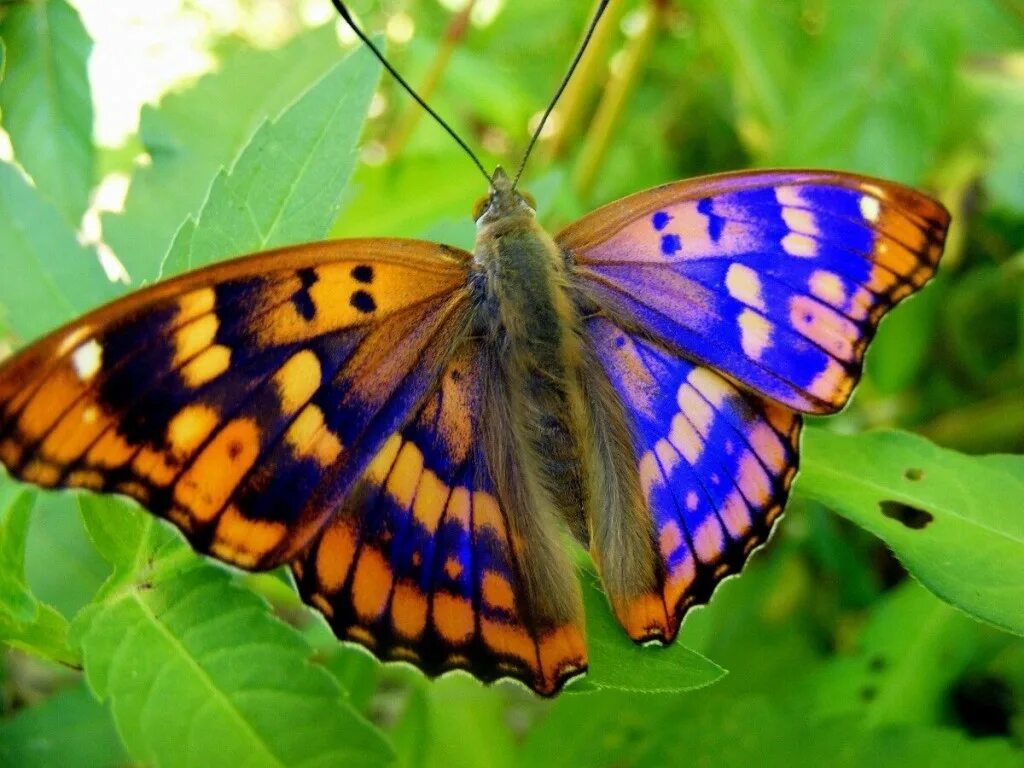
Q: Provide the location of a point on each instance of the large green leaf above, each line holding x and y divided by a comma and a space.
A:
196, 132
48, 277
197, 671
68, 729
26, 623
955, 521
287, 184
45, 101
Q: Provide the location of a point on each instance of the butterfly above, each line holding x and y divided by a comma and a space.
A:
412, 427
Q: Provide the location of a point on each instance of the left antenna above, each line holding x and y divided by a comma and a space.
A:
344, 13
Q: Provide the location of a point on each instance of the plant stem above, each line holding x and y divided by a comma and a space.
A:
615, 96
411, 115
584, 82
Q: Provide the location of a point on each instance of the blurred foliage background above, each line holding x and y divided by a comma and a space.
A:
834, 655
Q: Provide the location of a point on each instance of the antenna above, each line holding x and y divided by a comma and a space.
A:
565, 81
339, 6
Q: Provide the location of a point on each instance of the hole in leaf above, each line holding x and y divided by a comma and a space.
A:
984, 705
912, 517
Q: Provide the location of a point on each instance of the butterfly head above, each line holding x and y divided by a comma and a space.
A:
503, 201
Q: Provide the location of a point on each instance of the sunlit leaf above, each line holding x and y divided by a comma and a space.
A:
199, 130
46, 103
286, 185
953, 520
48, 277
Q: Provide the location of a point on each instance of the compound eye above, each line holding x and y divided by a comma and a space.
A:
480, 206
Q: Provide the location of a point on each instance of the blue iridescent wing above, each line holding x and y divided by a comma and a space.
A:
240, 401
715, 464
776, 279
419, 564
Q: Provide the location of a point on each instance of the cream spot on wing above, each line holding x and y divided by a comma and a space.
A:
869, 208
800, 220
691, 500
796, 244
744, 285
87, 360
788, 196
755, 333
90, 414
828, 287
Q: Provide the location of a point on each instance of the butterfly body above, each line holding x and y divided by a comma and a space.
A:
413, 428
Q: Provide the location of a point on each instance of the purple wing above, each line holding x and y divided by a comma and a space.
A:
776, 279
715, 465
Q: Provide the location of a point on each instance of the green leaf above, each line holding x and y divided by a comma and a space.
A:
287, 184
48, 277
953, 520
129, 539
200, 130
68, 729
434, 726
46, 103
15, 598
62, 566
906, 659
617, 662
429, 188
1002, 89
26, 623
740, 731
197, 671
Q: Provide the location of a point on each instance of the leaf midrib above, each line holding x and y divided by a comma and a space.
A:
204, 678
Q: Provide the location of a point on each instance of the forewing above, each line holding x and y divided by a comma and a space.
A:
240, 401
777, 279
715, 464
419, 565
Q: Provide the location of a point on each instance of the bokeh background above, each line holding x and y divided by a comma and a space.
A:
835, 656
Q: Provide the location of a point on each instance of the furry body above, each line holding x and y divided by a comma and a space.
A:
557, 443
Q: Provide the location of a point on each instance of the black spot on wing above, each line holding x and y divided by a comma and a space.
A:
363, 301
363, 273
301, 299
912, 517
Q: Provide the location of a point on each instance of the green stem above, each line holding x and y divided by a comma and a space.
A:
615, 97
581, 87
411, 115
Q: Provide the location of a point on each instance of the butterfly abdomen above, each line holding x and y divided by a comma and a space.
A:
534, 439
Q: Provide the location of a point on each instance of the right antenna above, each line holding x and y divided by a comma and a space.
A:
565, 81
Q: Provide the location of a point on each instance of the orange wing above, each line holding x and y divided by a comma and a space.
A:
243, 400
422, 563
